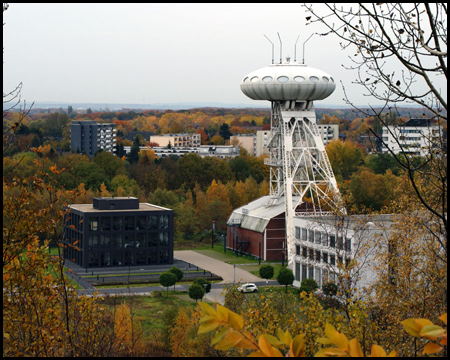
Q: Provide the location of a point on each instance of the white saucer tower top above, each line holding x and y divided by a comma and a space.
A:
300, 172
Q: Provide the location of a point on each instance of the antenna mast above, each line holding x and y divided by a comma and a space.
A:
295, 49
272, 46
281, 49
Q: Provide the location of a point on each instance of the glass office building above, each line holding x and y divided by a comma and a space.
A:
118, 232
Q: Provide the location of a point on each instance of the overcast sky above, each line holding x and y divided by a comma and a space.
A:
157, 53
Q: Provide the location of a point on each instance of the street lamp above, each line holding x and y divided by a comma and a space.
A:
234, 275
185, 277
212, 235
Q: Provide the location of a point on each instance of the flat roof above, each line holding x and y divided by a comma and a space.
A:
89, 208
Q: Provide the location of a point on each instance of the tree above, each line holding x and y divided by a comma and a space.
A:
167, 279
133, 156
224, 131
178, 274
308, 285
345, 157
202, 282
285, 277
266, 272
196, 292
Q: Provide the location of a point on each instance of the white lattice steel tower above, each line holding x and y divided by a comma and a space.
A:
300, 172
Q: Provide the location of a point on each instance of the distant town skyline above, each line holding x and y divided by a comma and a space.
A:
160, 53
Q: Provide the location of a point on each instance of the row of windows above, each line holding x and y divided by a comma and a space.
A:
283, 79
304, 271
318, 256
321, 238
129, 223
133, 240
128, 257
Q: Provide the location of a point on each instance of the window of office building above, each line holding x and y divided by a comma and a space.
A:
297, 232
163, 256
332, 241
105, 258
164, 222
318, 237
297, 250
304, 234
163, 239
116, 258
324, 239
317, 276
152, 239
325, 258
332, 260
93, 258
140, 240
128, 241
152, 256
311, 254
140, 257
311, 236
117, 223
340, 243
152, 222
105, 223
304, 252
348, 244
105, 240
93, 224
117, 240
93, 241
310, 272
129, 223
129, 257
140, 223
297, 271
317, 256
304, 272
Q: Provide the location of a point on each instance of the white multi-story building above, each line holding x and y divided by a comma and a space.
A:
328, 132
177, 140
322, 243
415, 137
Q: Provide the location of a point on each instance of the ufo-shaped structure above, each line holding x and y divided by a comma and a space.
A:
300, 172
288, 82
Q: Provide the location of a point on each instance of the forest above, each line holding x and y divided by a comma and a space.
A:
200, 190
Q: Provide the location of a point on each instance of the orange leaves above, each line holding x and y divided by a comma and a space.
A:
423, 328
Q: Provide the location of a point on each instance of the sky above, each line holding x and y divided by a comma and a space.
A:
158, 53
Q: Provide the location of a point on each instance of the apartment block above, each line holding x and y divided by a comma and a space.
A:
177, 140
90, 136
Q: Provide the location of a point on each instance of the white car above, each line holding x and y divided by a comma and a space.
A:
249, 287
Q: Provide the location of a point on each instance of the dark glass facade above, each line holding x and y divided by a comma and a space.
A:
102, 238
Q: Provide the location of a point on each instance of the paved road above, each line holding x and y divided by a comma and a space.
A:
228, 272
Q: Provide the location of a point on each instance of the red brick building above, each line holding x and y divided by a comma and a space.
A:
259, 229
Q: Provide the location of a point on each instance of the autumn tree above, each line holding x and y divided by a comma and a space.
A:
196, 292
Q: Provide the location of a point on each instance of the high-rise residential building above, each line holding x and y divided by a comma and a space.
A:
118, 231
415, 137
90, 136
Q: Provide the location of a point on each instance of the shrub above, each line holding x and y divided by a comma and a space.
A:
266, 272
308, 285
329, 289
201, 282
196, 292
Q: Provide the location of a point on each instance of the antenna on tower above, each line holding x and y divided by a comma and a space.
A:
272, 46
295, 49
281, 48
304, 46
